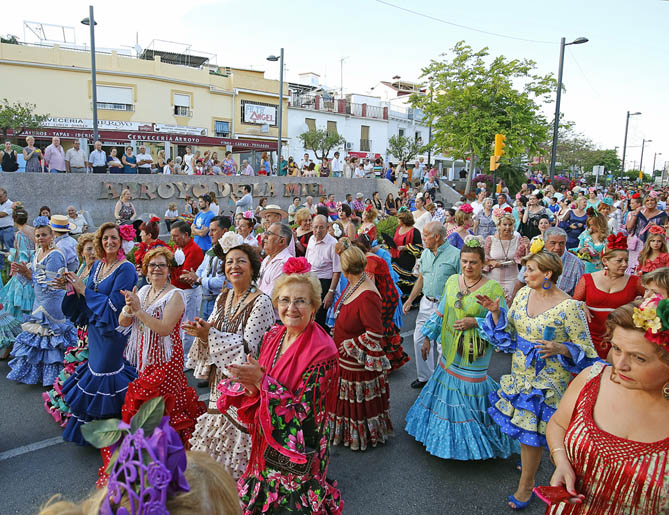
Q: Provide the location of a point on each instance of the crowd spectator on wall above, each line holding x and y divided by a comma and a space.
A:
113, 162
168, 169
229, 164
171, 215
129, 161
33, 156
8, 156
143, 161
78, 220
188, 161
160, 162
337, 165
75, 159
124, 210
246, 169
54, 156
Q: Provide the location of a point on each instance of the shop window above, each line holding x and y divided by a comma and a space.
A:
311, 123
115, 98
222, 129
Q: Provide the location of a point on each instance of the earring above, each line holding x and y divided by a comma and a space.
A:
665, 391
546, 285
606, 269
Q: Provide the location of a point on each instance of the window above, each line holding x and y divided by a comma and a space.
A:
332, 127
365, 142
222, 129
115, 98
401, 133
311, 123
182, 105
419, 137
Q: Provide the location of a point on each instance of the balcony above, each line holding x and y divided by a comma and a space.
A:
327, 103
183, 111
365, 145
110, 106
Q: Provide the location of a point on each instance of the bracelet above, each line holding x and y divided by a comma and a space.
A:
556, 450
331, 290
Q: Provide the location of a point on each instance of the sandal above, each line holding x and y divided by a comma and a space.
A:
519, 504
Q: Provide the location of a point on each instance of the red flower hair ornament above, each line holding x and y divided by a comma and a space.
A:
296, 266
617, 242
657, 229
466, 208
155, 219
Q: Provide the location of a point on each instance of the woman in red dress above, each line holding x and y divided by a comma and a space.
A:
153, 316
605, 290
377, 271
408, 248
362, 414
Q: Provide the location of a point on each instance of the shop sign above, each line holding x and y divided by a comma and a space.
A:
364, 155
260, 114
177, 129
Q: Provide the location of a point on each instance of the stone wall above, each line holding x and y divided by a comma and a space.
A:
98, 194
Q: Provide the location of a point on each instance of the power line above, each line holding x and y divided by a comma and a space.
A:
571, 54
440, 20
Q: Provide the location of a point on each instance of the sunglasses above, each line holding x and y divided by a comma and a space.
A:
458, 299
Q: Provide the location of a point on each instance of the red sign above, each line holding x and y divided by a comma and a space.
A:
182, 139
364, 155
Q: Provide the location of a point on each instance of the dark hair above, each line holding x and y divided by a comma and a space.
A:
322, 210
451, 211
466, 249
247, 188
20, 216
206, 198
222, 221
182, 226
296, 198
45, 207
363, 243
150, 228
346, 209
228, 153
250, 251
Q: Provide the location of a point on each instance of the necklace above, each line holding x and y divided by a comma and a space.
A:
506, 251
230, 313
469, 287
347, 294
99, 276
279, 348
146, 303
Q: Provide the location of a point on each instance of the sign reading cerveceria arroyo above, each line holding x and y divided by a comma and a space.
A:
168, 190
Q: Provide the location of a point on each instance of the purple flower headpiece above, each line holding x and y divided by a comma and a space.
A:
146, 469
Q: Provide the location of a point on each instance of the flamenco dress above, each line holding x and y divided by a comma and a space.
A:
18, 295
595, 263
450, 416
10, 328
659, 262
97, 388
528, 396
38, 350
160, 364
54, 401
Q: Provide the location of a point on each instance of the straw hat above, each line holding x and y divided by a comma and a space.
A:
59, 223
273, 208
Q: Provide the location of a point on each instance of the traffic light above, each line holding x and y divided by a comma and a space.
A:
494, 163
497, 153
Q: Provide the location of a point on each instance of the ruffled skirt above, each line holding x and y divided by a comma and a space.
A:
38, 350
450, 417
362, 415
18, 297
93, 396
10, 328
54, 400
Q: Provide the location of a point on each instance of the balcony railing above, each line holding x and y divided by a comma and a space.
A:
182, 111
110, 106
327, 103
365, 145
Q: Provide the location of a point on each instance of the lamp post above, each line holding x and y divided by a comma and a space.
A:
643, 143
556, 123
654, 158
274, 58
627, 124
92, 23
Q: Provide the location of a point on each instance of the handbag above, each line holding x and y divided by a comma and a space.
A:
282, 463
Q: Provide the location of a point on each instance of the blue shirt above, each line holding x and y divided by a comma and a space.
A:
68, 246
98, 158
210, 273
202, 220
436, 269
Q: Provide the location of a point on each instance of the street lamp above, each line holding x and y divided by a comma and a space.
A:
654, 158
627, 124
92, 23
577, 41
274, 59
643, 143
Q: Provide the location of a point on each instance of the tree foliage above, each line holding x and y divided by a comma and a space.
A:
476, 97
403, 148
19, 117
321, 142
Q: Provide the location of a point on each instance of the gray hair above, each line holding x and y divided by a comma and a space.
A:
284, 231
436, 228
320, 217
555, 231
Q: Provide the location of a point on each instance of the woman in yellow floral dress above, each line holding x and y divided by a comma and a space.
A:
547, 332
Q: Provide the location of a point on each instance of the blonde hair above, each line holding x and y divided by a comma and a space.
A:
546, 262
506, 216
97, 242
123, 192
659, 276
302, 215
353, 260
309, 279
371, 215
85, 238
461, 216
155, 252
598, 222
172, 206
212, 491
645, 253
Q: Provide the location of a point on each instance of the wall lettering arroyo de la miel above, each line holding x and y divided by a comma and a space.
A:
168, 190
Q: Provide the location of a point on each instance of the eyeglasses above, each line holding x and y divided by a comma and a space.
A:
158, 266
299, 303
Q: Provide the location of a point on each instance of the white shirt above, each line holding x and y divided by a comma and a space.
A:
167, 170
336, 165
322, 257
214, 208
76, 158
188, 160
359, 173
6, 221
79, 221
144, 157
477, 206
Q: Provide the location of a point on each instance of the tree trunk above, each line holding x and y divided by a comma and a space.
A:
470, 173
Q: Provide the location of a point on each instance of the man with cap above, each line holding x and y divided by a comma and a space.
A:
62, 239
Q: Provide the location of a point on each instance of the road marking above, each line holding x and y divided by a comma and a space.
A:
24, 449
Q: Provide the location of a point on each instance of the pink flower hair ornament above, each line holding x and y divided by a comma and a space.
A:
248, 214
466, 208
127, 232
296, 266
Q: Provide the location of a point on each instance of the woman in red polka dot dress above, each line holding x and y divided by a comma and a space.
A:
153, 315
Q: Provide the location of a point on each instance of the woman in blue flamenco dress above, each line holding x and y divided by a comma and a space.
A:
450, 415
38, 350
547, 332
97, 388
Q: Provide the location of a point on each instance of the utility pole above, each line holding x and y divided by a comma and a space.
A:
341, 76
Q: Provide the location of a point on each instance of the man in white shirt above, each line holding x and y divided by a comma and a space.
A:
309, 204
6, 223
97, 159
144, 161
188, 161
324, 263
80, 225
246, 169
304, 162
336, 165
75, 159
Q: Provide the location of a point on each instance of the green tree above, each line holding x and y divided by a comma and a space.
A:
607, 158
321, 142
19, 117
403, 148
475, 98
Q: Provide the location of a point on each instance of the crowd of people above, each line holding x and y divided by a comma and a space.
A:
292, 319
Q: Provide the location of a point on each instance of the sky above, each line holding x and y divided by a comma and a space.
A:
620, 69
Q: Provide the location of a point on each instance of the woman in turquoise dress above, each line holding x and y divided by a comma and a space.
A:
18, 294
450, 416
97, 388
592, 241
38, 350
547, 332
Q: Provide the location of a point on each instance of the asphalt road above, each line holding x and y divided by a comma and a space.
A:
399, 477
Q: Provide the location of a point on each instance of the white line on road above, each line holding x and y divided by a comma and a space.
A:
24, 449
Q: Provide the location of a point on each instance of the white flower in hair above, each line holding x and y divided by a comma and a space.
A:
336, 230
229, 241
179, 257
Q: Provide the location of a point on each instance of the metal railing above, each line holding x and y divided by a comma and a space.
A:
182, 111
365, 145
330, 104
111, 106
